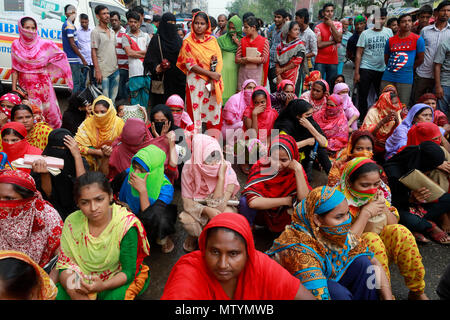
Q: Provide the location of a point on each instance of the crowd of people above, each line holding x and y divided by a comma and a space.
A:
156, 109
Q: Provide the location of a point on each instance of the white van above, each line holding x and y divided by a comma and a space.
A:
49, 15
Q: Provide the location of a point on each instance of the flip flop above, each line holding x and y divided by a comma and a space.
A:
420, 238
168, 246
189, 245
437, 234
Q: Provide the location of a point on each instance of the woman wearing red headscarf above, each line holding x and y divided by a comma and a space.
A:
15, 144
333, 122
274, 184
247, 273
27, 222
204, 87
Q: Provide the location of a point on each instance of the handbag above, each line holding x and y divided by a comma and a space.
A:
88, 95
158, 85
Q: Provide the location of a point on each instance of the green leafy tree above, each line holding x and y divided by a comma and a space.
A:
261, 8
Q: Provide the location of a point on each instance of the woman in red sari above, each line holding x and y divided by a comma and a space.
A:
204, 87
228, 266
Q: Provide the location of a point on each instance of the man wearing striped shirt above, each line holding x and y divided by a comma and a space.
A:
433, 35
122, 58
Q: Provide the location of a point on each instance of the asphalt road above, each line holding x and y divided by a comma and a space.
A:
435, 257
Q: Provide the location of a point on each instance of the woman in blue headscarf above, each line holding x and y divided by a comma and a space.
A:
418, 113
330, 261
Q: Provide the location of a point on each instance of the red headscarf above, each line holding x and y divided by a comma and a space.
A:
261, 279
133, 138
423, 131
267, 118
19, 149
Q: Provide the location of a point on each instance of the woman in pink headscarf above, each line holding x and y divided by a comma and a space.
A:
318, 94
208, 182
133, 138
34, 62
180, 117
351, 113
333, 123
234, 109
7, 102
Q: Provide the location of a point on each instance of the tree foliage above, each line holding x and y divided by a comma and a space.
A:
261, 8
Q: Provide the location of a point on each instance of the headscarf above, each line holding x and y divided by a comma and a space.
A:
287, 120
261, 279
347, 103
333, 123
32, 54
288, 50
29, 225
100, 256
236, 105
134, 137
267, 118
354, 197
199, 180
170, 41
278, 98
225, 41
440, 118
359, 18
318, 253
399, 137
199, 52
180, 118
151, 158
317, 104
19, 149
310, 79
423, 131
264, 181
47, 289
100, 129
10, 97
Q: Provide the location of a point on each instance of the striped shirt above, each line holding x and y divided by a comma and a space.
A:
433, 37
122, 58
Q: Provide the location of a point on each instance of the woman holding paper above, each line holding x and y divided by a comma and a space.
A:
252, 54
375, 220
416, 213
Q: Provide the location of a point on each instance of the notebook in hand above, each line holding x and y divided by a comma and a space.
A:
415, 180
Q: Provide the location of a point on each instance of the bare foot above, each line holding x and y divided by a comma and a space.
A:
190, 244
417, 296
168, 246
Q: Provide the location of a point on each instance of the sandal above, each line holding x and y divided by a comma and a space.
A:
420, 238
168, 246
190, 244
438, 235
412, 295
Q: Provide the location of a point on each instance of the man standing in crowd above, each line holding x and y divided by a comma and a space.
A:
279, 17
351, 28
369, 61
103, 44
392, 24
342, 48
360, 26
156, 20
122, 58
222, 23
423, 18
403, 53
135, 44
442, 75
329, 34
433, 35
145, 27
70, 47
84, 42
307, 35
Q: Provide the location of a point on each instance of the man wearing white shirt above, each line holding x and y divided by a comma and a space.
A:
84, 42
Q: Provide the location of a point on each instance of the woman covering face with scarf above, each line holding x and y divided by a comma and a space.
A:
319, 249
360, 183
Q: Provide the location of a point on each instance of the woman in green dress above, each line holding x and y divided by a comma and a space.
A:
229, 43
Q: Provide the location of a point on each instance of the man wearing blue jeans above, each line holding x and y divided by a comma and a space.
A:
70, 47
329, 34
103, 44
442, 76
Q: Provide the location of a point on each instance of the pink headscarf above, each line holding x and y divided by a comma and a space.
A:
317, 104
175, 101
284, 83
347, 104
235, 106
134, 137
32, 54
10, 97
333, 123
199, 180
